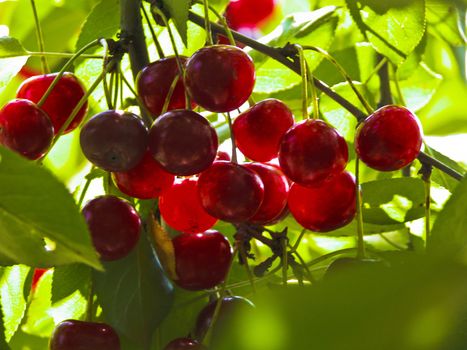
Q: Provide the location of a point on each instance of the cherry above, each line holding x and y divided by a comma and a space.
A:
347, 264
64, 97
389, 139
114, 140
145, 181
311, 151
184, 344
202, 260
183, 142
114, 225
326, 207
276, 188
80, 335
259, 130
248, 13
220, 78
25, 129
230, 192
221, 155
181, 208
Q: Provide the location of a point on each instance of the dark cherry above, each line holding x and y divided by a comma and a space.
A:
221, 155
230, 191
183, 142
184, 344
248, 13
114, 225
114, 140
347, 264
25, 129
202, 260
389, 139
220, 78
80, 335
145, 181
326, 207
61, 101
311, 151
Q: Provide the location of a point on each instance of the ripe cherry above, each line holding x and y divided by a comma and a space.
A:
202, 259
259, 130
25, 129
220, 78
311, 151
114, 225
184, 344
183, 142
326, 207
181, 208
389, 139
248, 13
114, 140
80, 335
230, 191
64, 97
221, 155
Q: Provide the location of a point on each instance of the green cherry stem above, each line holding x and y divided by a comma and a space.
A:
297, 242
285, 260
159, 49
304, 70
58, 54
360, 234
86, 187
249, 273
400, 95
165, 107
107, 91
232, 138
375, 70
207, 23
90, 303
40, 38
426, 171
117, 90
223, 22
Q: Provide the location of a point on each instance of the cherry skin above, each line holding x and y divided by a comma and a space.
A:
114, 225
326, 207
389, 139
184, 344
25, 129
64, 97
202, 259
248, 13
114, 140
80, 335
230, 191
221, 155
220, 78
181, 208
183, 142
311, 151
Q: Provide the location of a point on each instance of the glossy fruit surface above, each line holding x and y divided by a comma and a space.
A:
181, 208
145, 181
248, 13
311, 151
183, 142
326, 207
114, 140
259, 130
220, 78
184, 344
230, 192
389, 139
25, 129
79, 335
114, 225
61, 101
221, 155
202, 259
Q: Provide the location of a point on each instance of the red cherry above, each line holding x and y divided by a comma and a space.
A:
326, 207
25, 128
79, 335
311, 151
259, 130
248, 13
184, 344
114, 225
276, 188
181, 208
221, 155
230, 192
389, 139
202, 259
220, 78
62, 100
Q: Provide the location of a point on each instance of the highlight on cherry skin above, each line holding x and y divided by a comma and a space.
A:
184, 344
248, 13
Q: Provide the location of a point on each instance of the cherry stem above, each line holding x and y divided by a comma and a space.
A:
85, 188
90, 304
40, 38
160, 52
388, 241
59, 54
107, 91
304, 265
360, 234
304, 70
170, 93
324, 257
384, 86
117, 90
285, 262
249, 273
207, 23
375, 70
400, 96
297, 242
224, 24
426, 171
232, 138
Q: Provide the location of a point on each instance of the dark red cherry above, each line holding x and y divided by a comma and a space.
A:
146, 180
202, 260
248, 13
259, 130
114, 225
221, 155
184, 344
389, 139
325, 207
114, 140
230, 192
80, 335
311, 151
276, 188
183, 142
181, 208
61, 101
25, 129
220, 78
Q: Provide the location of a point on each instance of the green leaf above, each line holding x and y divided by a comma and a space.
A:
440, 177
3, 343
13, 57
11, 47
178, 10
68, 279
443, 19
